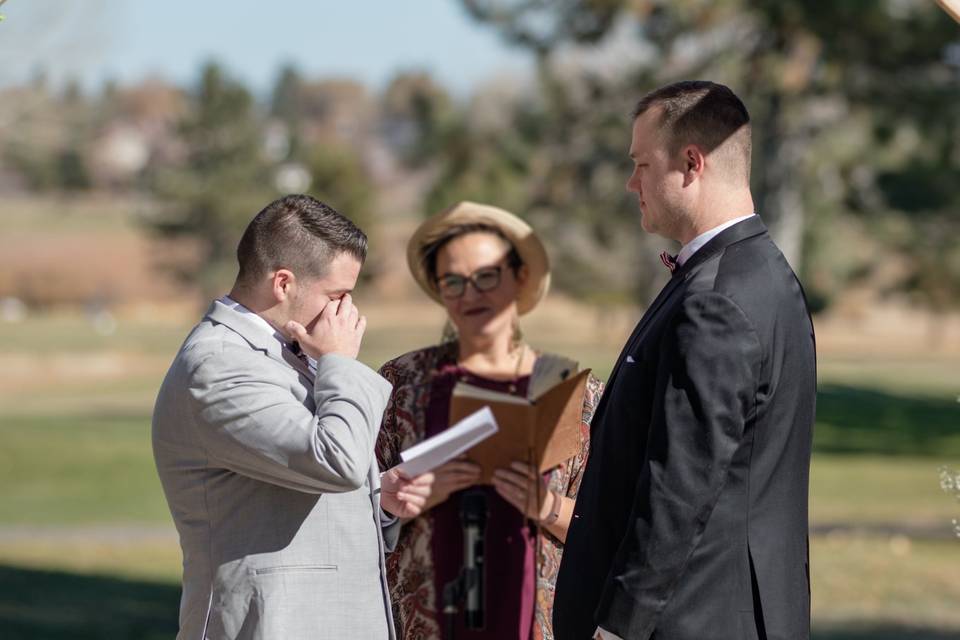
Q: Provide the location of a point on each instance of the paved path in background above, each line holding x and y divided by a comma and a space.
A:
120, 533
160, 534
914, 531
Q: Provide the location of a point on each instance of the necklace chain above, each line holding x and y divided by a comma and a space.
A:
512, 386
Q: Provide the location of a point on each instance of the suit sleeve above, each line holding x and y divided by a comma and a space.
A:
256, 427
708, 372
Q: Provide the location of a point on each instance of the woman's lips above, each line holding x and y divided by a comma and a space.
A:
476, 311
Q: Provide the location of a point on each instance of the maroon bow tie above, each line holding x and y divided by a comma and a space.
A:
297, 350
669, 261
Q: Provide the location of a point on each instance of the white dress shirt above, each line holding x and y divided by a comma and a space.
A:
686, 251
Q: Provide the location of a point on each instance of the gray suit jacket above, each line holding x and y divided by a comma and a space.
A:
272, 482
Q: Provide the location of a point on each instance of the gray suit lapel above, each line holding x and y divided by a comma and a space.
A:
256, 337
297, 363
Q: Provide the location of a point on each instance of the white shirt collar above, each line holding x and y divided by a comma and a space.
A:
255, 317
694, 245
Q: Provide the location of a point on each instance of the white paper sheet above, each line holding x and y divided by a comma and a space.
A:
447, 445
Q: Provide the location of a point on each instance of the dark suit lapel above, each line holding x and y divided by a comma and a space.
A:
741, 231
634, 338
752, 226
658, 302
651, 311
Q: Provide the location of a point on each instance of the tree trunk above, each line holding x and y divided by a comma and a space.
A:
776, 187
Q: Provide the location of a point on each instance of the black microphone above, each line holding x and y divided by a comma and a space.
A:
473, 516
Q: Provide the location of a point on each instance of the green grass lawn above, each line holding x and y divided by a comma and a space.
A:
58, 470
896, 588
59, 605
872, 490
91, 469
863, 589
72, 333
87, 548
877, 454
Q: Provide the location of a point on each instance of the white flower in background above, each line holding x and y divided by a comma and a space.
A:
950, 483
292, 177
12, 309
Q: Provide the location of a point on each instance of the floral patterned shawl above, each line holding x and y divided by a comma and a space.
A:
410, 566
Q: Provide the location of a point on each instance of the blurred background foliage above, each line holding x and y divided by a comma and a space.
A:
856, 153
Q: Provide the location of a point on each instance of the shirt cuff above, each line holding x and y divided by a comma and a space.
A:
386, 519
606, 635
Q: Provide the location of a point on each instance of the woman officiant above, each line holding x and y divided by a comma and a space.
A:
487, 268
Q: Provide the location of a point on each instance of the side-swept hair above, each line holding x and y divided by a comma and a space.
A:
703, 113
299, 233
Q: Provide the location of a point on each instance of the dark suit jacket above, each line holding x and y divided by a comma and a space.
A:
691, 521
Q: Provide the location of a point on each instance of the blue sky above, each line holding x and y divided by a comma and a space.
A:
368, 40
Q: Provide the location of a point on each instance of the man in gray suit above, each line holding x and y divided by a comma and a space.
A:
263, 436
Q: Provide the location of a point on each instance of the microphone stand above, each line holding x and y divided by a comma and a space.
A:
468, 585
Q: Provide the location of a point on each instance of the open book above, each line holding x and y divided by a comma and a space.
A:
542, 429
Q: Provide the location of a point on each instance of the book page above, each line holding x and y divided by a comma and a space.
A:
464, 390
549, 371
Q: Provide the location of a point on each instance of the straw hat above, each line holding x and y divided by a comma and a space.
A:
517, 231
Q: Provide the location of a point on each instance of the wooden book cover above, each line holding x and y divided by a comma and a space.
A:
544, 432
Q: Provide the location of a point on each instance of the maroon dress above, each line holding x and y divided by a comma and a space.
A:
422, 381
510, 540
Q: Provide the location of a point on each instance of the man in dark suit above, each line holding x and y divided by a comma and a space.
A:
691, 521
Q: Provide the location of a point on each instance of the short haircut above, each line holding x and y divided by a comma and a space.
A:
298, 233
703, 113
430, 251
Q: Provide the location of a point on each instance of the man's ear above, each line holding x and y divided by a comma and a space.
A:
694, 162
283, 282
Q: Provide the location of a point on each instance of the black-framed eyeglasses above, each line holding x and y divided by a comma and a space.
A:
452, 286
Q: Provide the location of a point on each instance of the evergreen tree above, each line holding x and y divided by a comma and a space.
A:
223, 181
